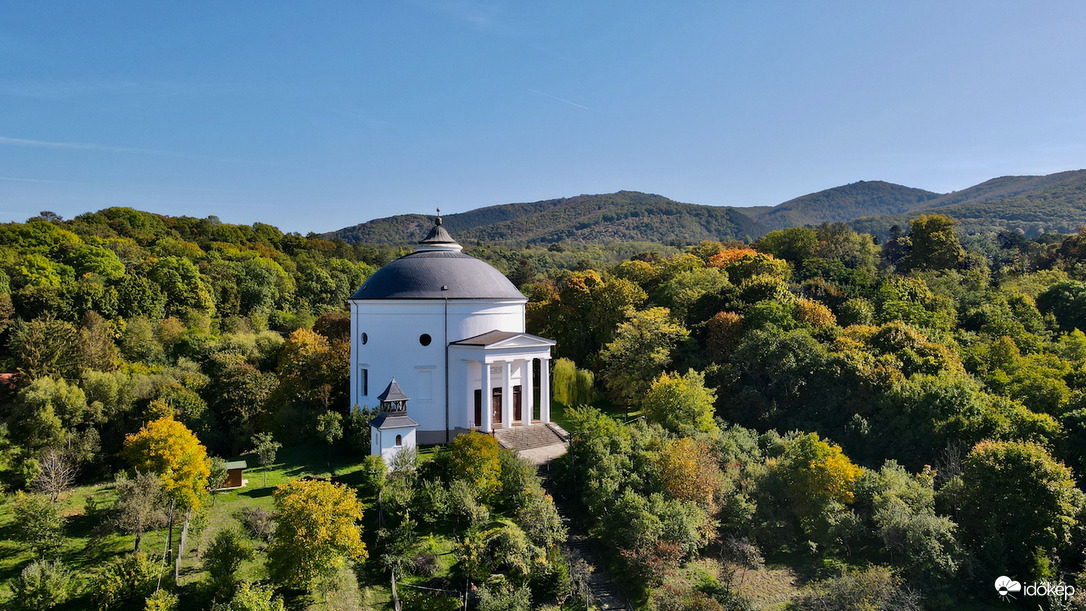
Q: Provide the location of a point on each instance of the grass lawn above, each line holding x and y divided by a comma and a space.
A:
88, 545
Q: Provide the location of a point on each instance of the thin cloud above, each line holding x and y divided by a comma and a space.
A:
554, 97
86, 146
82, 146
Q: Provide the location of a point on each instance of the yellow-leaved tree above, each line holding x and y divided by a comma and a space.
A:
169, 449
317, 529
818, 479
689, 471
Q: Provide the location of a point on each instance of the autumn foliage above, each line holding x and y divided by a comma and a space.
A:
316, 529
168, 448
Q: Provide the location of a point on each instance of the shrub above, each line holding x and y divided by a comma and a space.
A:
41, 585
258, 521
161, 600
223, 558
251, 597
873, 588
129, 577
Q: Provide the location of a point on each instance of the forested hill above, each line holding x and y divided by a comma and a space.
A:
1030, 204
839, 204
622, 216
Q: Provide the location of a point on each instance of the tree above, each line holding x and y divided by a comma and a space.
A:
166, 447
37, 522
1017, 506
681, 403
818, 480
689, 471
140, 506
317, 530
1067, 302
217, 474
473, 457
641, 349
56, 474
266, 447
45, 347
223, 558
933, 244
47, 410
330, 427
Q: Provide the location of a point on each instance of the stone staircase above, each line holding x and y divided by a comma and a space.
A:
528, 437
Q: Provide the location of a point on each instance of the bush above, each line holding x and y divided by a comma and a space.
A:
258, 521
126, 578
161, 600
41, 585
251, 597
872, 588
374, 473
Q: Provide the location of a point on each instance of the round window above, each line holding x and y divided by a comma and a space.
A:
425, 339
365, 338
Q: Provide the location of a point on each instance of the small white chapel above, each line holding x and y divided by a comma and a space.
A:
438, 343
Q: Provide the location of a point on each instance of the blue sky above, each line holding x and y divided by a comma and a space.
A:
319, 115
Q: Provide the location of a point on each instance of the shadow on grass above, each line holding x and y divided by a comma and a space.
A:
258, 493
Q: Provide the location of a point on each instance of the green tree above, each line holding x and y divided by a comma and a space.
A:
38, 523
641, 349
933, 244
45, 347
266, 447
1067, 302
1017, 506
223, 558
140, 506
317, 530
681, 403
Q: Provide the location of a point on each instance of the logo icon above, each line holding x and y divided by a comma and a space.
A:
1005, 585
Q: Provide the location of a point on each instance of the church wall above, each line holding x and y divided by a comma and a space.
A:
392, 350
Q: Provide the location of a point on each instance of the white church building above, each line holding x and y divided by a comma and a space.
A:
449, 329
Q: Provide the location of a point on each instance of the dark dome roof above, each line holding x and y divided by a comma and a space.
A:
437, 274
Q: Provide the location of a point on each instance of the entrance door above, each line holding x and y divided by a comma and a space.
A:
496, 403
517, 417
478, 407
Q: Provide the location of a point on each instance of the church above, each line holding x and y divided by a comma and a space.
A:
438, 342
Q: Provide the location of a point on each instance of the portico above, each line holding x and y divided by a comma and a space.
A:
501, 369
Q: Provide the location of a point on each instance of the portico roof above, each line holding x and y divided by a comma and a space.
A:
504, 339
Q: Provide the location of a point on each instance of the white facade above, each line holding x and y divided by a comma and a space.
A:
390, 441
445, 338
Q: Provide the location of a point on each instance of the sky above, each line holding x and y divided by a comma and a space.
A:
313, 116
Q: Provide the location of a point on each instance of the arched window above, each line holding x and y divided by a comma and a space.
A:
399, 440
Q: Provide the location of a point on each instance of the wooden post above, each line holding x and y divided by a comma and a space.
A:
165, 550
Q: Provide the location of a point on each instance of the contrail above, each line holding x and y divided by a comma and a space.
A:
554, 97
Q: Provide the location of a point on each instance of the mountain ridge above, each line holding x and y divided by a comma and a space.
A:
1030, 204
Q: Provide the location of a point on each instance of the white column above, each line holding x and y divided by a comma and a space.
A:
488, 415
507, 396
527, 393
545, 390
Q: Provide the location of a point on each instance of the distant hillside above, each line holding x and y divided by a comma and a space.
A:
1030, 204
864, 198
622, 216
